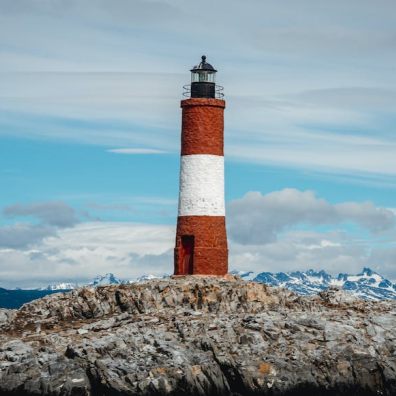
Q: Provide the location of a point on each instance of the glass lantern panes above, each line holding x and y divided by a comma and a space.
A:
203, 76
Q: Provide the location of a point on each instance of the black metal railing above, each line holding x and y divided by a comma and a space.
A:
218, 91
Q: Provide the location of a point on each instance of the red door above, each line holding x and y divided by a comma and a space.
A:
187, 255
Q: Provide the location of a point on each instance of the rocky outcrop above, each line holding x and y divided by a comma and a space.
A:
198, 336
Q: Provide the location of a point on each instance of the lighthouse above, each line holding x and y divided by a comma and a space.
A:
201, 239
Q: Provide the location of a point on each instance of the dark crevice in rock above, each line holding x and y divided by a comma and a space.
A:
123, 306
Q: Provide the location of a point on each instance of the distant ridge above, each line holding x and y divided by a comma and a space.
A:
12, 299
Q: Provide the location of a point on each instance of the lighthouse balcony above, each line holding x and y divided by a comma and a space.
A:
203, 90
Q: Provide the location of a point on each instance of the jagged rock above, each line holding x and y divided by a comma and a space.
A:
6, 315
198, 336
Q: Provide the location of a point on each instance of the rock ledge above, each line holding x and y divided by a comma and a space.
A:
198, 336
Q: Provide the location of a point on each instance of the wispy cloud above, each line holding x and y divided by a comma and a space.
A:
54, 213
51, 217
310, 93
136, 151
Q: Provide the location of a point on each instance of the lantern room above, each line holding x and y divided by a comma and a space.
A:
203, 80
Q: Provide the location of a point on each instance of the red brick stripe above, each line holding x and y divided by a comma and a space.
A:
210, 244
202, 126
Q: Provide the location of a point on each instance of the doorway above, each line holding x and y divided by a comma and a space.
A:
187, 256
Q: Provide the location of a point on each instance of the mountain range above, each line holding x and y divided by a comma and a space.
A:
367, 284
100, 280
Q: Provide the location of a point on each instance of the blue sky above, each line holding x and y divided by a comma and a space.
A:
90, 133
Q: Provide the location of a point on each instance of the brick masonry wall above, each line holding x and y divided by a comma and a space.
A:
202, 126
210, 244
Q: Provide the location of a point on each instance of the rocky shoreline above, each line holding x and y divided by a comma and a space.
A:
198, 336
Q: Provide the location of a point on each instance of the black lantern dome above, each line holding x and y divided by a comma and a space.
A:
203, 66
203, 80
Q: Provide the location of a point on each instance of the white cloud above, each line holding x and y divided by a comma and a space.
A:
302, 91
301, 250
54, 213
262, 237
383, 259
21, 235
129, 250
51, 215
334, 251
258, 219
88, 249
136, 151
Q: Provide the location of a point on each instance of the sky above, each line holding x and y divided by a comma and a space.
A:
90, 134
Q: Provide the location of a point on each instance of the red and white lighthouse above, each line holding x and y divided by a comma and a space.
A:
201, 239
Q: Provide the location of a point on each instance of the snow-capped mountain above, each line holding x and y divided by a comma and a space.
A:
101, 280
60, 286
368, 284
246, 275
147, 277
108, 279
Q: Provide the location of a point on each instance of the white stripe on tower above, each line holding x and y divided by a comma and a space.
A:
201, 185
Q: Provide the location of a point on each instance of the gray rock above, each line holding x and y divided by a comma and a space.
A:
198, 336
6, 315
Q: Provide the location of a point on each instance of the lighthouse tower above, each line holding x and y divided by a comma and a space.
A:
201, 239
